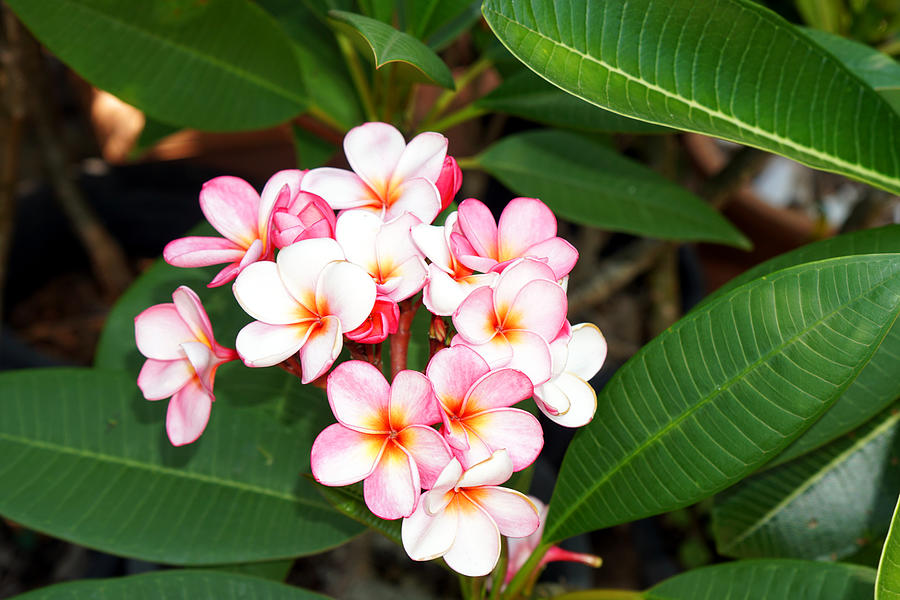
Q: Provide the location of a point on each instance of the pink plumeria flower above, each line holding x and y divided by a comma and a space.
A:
511, 323
382, 437
567, 398
302, 217
521, 548
476, 414
242, 216
389, 177
526, 228
449, 181
383, 321
303, 302
449, 281
463, 516
182, 358
385, 250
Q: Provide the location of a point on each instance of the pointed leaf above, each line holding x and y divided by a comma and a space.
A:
349, 501
589, 183
715, 67
716, 395
390, 45
887, 586
877, 385
173, 584
216, 65
822, 506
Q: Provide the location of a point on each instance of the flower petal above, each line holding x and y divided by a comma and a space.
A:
188, 414
373, 151
497, 389
560, 255
300, 265
515, 515
191, 311
425, 536
431, 241
539, 307
339, 188
392, 490
429, 450
417, 197
203, 361
273, 194
230, 204
516, 430
475, 319
478, 225
356, 232
359, 396
341, 456
201, 251
422, 157
346, 291
228, 273
261, 293
587, 351
159, 332
263, 345
516, 277
497, 352
452, 371
412, 401
160, 379
321, 348
530, 354
523, 223
493, 471
476, 548
581, 397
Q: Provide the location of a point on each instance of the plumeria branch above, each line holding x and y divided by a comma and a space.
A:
526, 576
400, 340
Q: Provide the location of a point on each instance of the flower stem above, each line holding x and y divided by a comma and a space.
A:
446, 98
466, 113
500, 571
524, 576
358, 77
400, 340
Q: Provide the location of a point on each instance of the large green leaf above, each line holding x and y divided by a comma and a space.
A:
86, 459
349, 501
821, 506
528, 96
723, 390
588, 183
877, 385
173, 584
887, 587
390, 45
727, 68
877, 69
214, 65
768, 580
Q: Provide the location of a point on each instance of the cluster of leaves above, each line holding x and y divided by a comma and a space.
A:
776, 393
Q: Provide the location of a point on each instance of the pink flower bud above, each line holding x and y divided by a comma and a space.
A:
449, 181
384, 320
303, 217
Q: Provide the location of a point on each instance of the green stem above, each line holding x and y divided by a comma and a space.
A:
358, 77
465, 586
464, 114
500, 571
390, 93
468, 163
460, 83
320, 115
523, 576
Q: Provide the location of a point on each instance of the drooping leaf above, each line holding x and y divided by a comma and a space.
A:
528, 96
178, 583
86, 459
822, 506
438, 21
769, 579
219, 65
887, 586
877, 385
589, 183
723, 390
389, 45
716, 67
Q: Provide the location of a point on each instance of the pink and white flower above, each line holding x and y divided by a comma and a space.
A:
303, 302
304, 216
382, 437
384, 320
567, 398
511, 323
385, 250
463, 516
242, 216
476, 414
182, 358
449, 281
449, 181
526, 228
389, 177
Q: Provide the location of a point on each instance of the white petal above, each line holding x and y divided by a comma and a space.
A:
587, 351
373, 150
263, 345
261, 293
301, 264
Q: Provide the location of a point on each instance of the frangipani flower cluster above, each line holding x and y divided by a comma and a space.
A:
329, 259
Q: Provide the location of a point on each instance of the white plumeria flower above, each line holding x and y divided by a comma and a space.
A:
385, 250
568, 399
303, 302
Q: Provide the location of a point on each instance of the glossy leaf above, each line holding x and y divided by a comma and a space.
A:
588, 183
769, 580
349, 501
214, 65
723, 390
887, 586
86, 459
276, 570
528, 96
173, 584
716, 67
390, 45
438, 21
877, 385
822, 506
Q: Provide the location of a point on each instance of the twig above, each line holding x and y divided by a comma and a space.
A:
665, 291
400, 340
106, 256
743, 165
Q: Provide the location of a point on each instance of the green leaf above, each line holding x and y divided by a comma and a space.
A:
768, 580
86, 459
220, 65
349, 501
887, 586
180, 583
389, 45
588, 183
723, 390
822, 506
154, 131
714, 67
311, 150
528, 96
442, 19
276, 570
877, 69
877, 385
